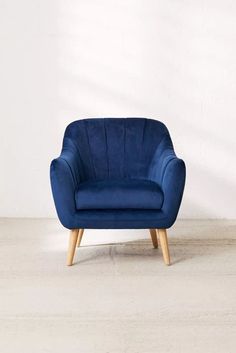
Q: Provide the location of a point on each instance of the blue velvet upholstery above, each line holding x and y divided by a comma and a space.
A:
119, 194
117, 173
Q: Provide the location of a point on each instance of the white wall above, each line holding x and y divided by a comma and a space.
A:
170, 60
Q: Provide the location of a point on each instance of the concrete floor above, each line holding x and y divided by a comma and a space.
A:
117, 297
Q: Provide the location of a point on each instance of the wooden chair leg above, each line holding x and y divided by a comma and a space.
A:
154, 238
80, 235
164, 245
72, 245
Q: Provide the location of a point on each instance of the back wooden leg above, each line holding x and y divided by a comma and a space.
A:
80, 235
164, 245
72, 245
154, 238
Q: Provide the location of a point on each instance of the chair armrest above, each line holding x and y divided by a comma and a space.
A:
64, 175
169, 172
173, 187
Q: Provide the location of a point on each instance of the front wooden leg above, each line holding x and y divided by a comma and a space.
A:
154, 238
80, 235
164, 245
72, 245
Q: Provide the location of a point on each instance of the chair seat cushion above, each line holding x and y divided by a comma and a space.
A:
119, 194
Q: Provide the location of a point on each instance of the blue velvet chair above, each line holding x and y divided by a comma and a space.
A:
117, 173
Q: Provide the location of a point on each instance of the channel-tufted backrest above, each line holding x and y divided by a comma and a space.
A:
114, 147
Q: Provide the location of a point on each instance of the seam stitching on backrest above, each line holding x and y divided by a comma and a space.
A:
105, 132
91, 156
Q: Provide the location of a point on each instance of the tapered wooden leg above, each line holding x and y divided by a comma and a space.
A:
72, 245
80, 235
154, 238
164, 245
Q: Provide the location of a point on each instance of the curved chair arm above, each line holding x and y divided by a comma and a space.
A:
173, 186
65, 178
169, 172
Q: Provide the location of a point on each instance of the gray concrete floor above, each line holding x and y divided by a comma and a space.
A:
119, 296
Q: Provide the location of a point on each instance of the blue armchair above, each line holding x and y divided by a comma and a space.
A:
117, 173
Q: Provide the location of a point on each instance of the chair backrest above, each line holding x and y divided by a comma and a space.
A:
114, 147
